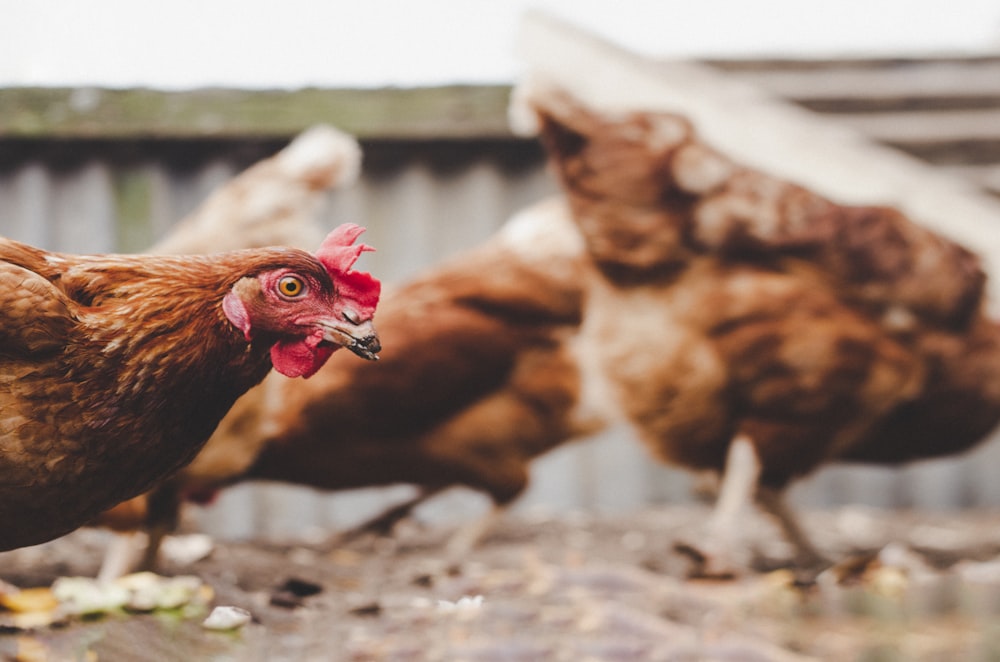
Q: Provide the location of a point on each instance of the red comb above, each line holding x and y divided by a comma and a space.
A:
338, 255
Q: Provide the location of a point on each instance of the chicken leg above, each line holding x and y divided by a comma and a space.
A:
383, 523
806, 557
120, 555
717, 555
468, 536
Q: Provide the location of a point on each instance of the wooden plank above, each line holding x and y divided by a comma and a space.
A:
901, 103
930, 78
969, 152
929, 126
133, 192
987, 176
822, 64
414, 113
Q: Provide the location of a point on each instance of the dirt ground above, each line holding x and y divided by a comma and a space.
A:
573, 588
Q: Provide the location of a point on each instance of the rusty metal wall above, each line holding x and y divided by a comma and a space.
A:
416, 215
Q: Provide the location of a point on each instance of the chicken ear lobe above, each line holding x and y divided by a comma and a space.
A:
237, 313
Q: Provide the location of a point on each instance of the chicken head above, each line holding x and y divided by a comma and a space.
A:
307, 314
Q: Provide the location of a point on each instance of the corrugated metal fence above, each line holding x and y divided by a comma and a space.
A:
420, 208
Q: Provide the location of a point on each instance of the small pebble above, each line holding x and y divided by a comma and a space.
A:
226, 618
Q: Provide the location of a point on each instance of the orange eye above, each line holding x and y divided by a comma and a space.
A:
291, 286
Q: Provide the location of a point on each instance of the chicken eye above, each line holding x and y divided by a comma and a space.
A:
291, 286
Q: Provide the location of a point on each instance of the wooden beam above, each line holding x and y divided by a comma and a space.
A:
917, 127
986, 176
890, 78
903, 103
451, 112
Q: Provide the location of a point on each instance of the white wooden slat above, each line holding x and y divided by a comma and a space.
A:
666, 484
864, 484
400, 217
982, 468
918, 127
987, 176
819, 490
556, 482
162, 213
189, 189
923, 79
348, 205
933, 484
453, 508
614, 476
26, 206
471, 203
345, 509
527, 188
84, 211
230, 516
282, 511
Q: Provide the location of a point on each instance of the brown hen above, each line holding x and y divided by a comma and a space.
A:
807, 330
114, 370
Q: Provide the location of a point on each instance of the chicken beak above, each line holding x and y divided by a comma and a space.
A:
360, 338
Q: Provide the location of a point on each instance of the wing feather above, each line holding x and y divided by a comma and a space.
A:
35, 317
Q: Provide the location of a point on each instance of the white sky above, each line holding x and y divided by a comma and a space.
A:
291, 43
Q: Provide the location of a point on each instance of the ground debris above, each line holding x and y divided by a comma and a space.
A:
226, 617
293, 592
917, 587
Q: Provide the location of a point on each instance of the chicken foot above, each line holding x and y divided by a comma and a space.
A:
739, 486
716, 556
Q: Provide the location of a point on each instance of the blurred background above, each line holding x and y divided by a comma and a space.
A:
118, 118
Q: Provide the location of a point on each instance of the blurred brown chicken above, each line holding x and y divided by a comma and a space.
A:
779, 328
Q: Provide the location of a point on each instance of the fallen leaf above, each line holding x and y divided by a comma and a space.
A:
29, 600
